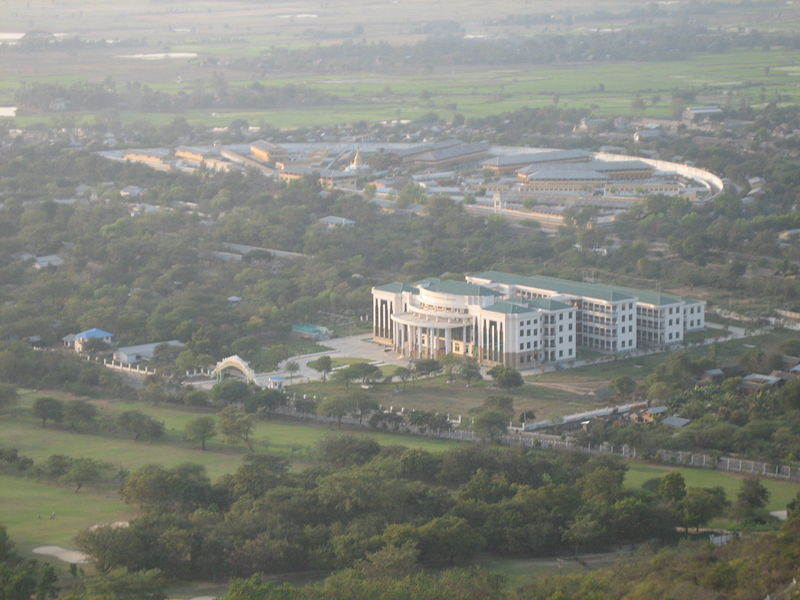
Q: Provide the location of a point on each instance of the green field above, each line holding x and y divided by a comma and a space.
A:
25, 506
728, 352
439, 395
754, 77
23, 501
781, 492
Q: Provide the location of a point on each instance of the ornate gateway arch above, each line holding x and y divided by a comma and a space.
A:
237, 363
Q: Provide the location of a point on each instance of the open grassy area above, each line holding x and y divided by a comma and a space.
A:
780, 492
729, 352
25, 507
454, 398
737, 76
22, 501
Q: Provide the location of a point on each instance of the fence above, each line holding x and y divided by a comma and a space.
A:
541, 440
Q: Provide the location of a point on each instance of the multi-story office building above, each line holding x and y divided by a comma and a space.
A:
523, 321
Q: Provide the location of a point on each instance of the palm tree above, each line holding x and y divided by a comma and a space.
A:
291, 367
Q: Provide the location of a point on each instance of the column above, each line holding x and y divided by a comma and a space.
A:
448, 341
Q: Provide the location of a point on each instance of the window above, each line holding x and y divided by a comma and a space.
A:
529, 331
522, 346
677, 321
569, 352
561, 340
570, 326
561, 328
570, 338
630, 328
560, 353
535, 332
529, 346
560, 316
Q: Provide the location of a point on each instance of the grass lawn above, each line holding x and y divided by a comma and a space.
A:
522, 570
455, 398
729, 352
780, 492
23, 501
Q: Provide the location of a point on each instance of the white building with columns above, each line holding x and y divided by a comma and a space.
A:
521, 321
435, 317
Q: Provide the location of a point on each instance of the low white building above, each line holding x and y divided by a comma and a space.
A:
135, 354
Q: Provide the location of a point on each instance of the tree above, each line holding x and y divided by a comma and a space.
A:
491, 425
236, 425
259, 473
8, 395
183, 488
140, 425
323, 365
672, 487
336, 407
230, 391
345, 376
291, 367
340, 451
120, 584
752, 497
700, 505
200, 430
426, 366
363, 404
623, 386
80, 413
506, 377
469, 370
47, 407
85, 470
503, 404
403, 374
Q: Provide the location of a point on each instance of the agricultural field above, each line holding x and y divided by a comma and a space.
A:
202, 42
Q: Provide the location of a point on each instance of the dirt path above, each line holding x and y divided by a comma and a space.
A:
576, 387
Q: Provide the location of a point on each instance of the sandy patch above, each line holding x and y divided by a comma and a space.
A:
114, 525
70, 556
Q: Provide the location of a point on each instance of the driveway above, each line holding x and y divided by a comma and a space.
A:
354, 346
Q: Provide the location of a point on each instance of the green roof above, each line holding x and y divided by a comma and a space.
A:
612, 293
395, 287
509, 308
548, 304
512, 308
562, 286
457, 288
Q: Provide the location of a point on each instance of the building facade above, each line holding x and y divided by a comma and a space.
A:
520, 321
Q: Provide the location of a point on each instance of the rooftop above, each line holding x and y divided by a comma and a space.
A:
450, 152
563, 286
537, 157
457, 288
564, 173
584, 289
395, 287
